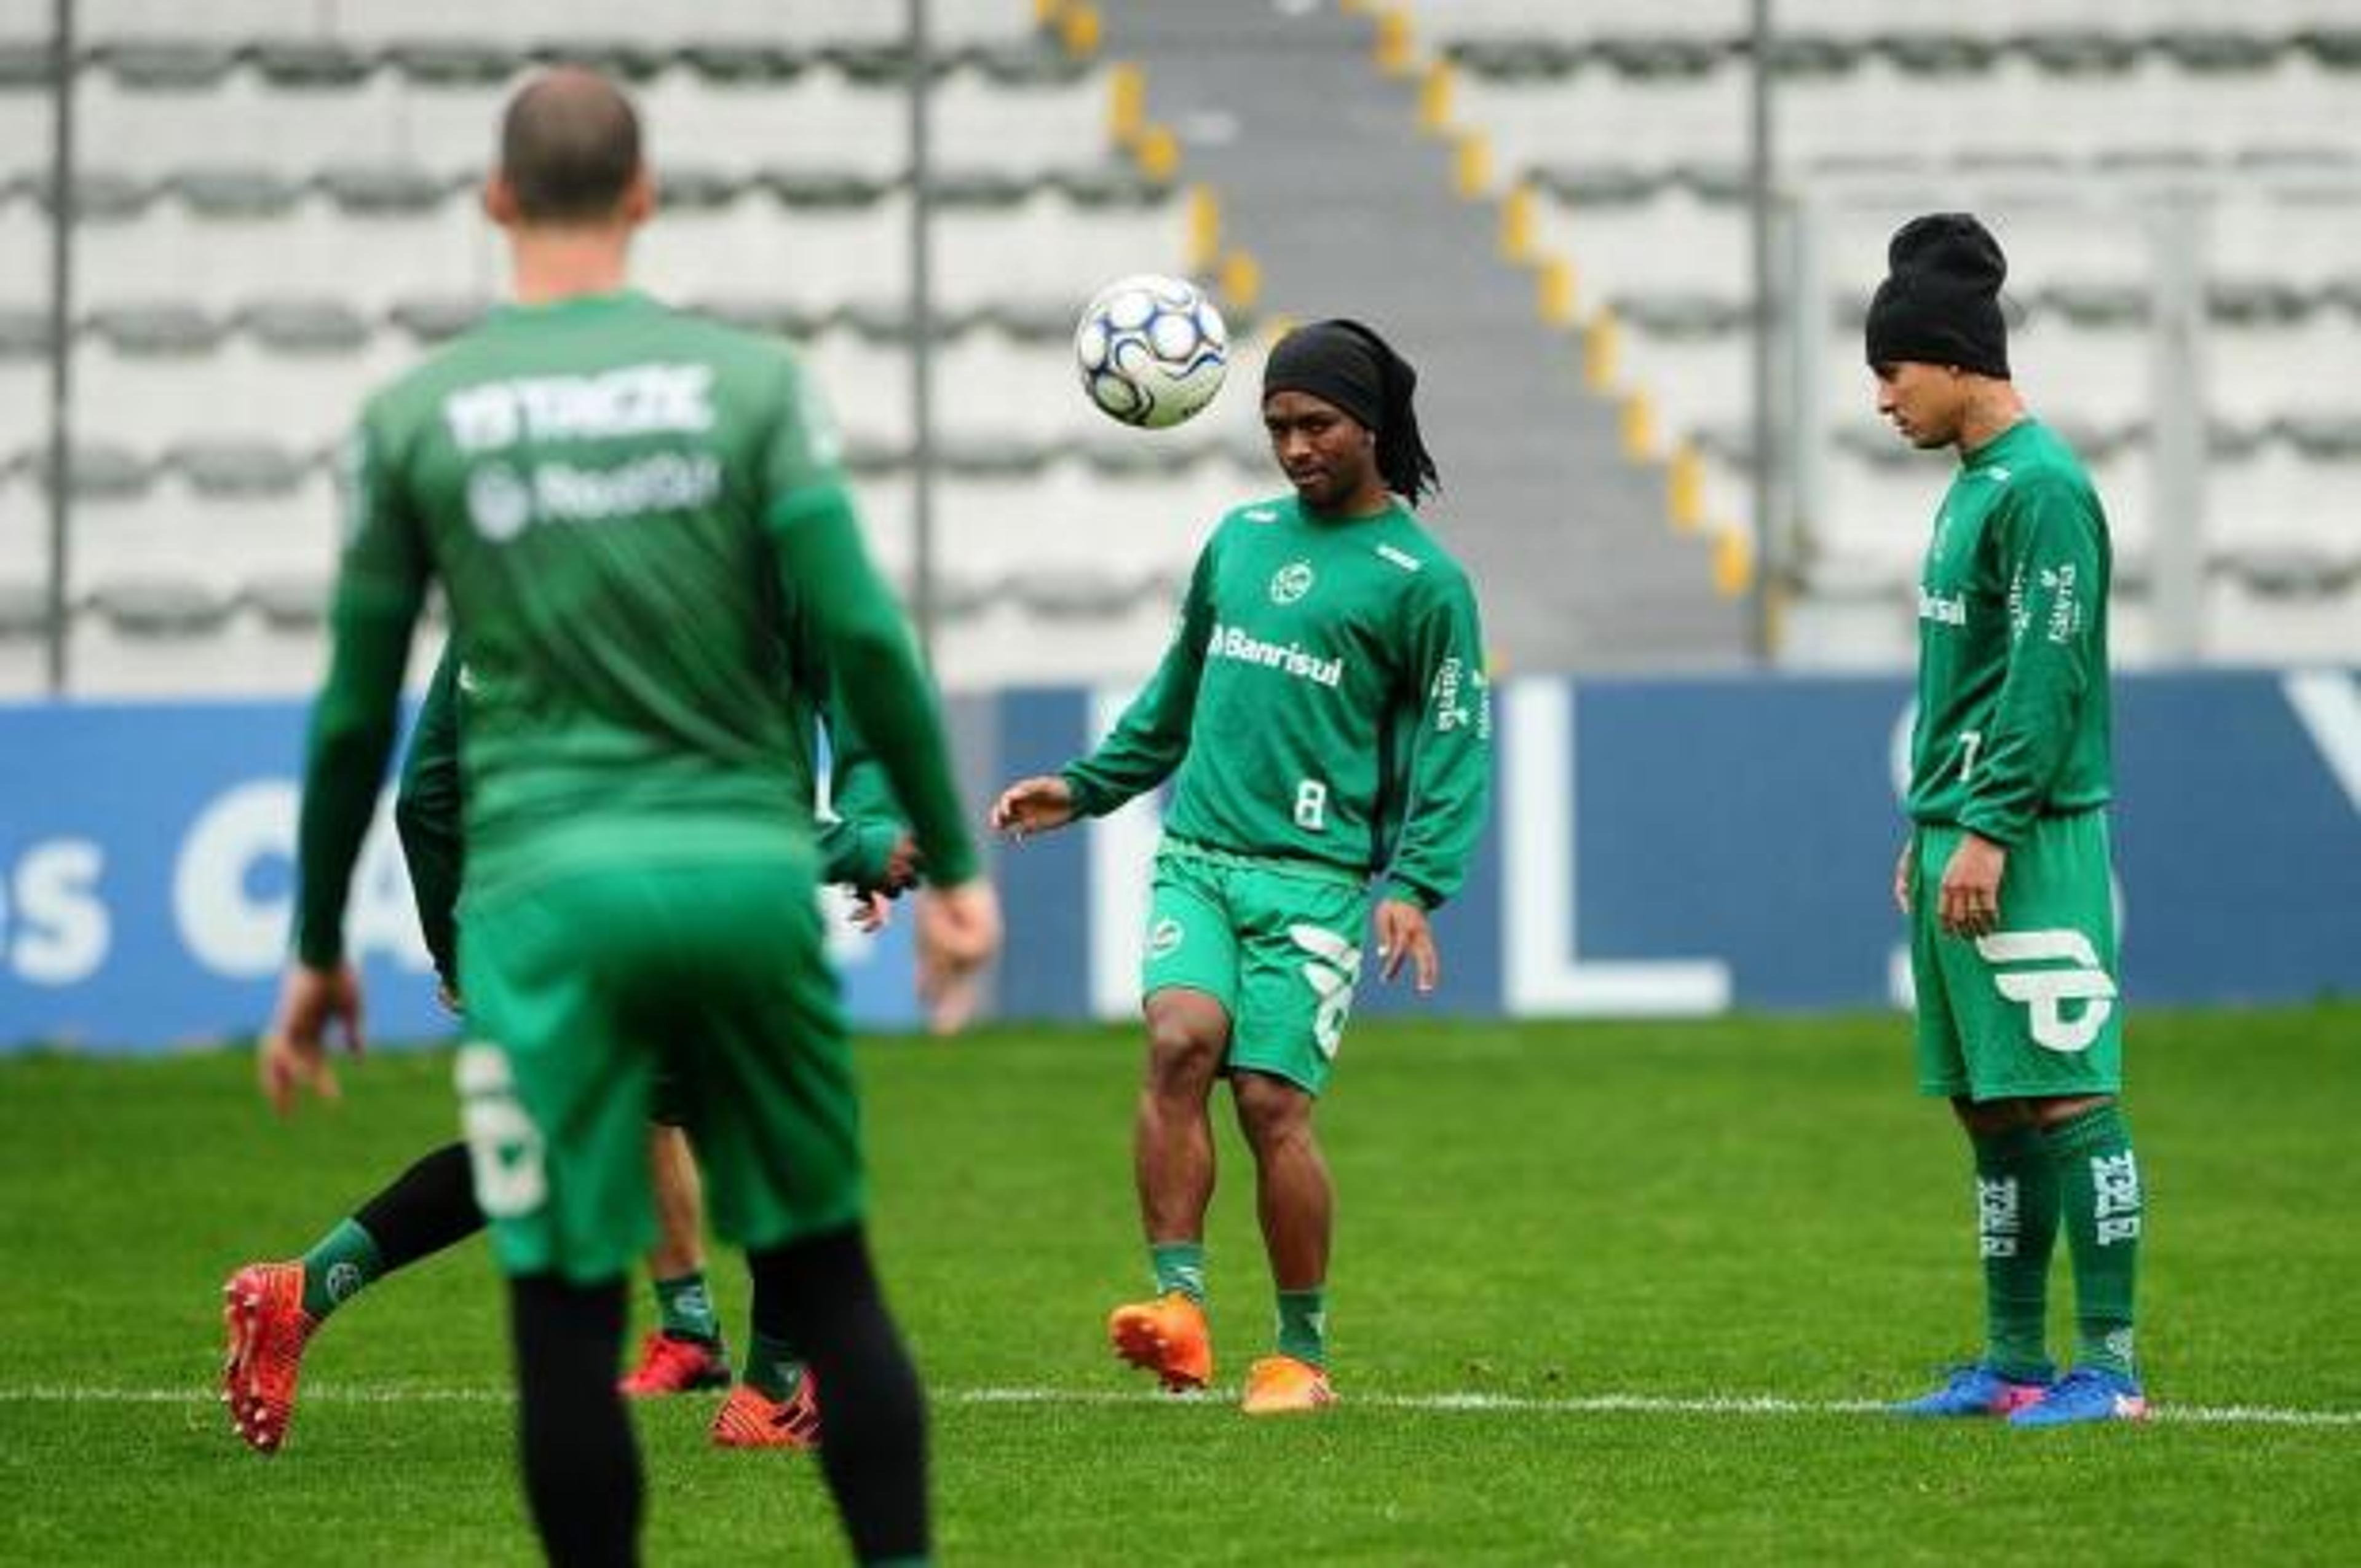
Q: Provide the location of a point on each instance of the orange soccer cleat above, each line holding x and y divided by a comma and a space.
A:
1167, 1336
1280, 1385
268, 1327
673, 1365
751, 1418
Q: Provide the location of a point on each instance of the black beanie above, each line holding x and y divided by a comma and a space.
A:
1940, 301
1345, 363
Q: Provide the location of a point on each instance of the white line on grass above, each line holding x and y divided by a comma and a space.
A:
1471, 1403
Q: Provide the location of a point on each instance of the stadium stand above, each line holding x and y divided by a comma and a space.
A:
272, 218
1348, 209
275, 211
2068, 125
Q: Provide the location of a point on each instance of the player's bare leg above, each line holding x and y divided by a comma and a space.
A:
1292, 1194
1296, 1203
683, 1353
680, 1205
1172, 1153
1173, 1145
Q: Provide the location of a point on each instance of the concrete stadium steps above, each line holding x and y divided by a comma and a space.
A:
1349, 211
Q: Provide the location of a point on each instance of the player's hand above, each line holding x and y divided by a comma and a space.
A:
294, 1053
901, 868
1902, 876
1033, 806
1403, 934
871, 913
957, 934
1970, 904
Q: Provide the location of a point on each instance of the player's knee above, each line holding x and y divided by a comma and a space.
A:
1271, 1110
1183, 1054
1986, 1117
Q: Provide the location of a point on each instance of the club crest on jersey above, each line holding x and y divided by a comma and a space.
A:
498, 502
1291, 581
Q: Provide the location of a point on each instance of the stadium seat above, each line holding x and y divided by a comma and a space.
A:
436, 318
159, 605
25, 333
308, 65
366, 260
315, 326
24, 610
26, 65
235, 192
170, 327
163, 64
453, 62
397, 190
96, 471
288, 601
2247, 624
235, 471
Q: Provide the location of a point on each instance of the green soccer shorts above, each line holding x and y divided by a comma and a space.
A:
2032, 1008
582, 985
1276, 943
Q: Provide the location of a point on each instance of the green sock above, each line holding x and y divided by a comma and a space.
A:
337, 1267
1303, 1324
773, 1367
1180, 1265
2016, 1228
2099, 1199
684, 1308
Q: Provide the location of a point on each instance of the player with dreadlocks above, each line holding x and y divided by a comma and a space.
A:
1324, 705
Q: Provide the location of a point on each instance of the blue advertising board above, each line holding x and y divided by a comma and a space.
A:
1659, 846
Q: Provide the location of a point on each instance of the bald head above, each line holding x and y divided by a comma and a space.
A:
569, 147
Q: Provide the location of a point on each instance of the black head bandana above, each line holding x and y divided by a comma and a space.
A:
1345, 363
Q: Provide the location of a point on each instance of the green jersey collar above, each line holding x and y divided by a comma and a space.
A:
575, 305
2000, 446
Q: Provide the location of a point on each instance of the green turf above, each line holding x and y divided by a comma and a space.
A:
1745, 1207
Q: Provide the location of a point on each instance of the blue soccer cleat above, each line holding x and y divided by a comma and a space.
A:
1975, 1391
2085, 1394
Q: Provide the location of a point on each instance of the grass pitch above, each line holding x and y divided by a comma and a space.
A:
1602, 1293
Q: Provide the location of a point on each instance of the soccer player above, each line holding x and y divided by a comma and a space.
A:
1324, 704
861, 845
617, 500
2005, 876
273, 1309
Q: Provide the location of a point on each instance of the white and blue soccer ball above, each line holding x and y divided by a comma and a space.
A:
1152, 350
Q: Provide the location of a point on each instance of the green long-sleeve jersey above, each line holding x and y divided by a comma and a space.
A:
856, 836
1324, 699
618, 499
2012, 708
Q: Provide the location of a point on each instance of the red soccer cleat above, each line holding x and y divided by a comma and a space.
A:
1167, 1336
673, 1365
751, 1418
268, 1327
1280, 1385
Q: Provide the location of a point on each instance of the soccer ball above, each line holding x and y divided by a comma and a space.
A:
1152, 350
